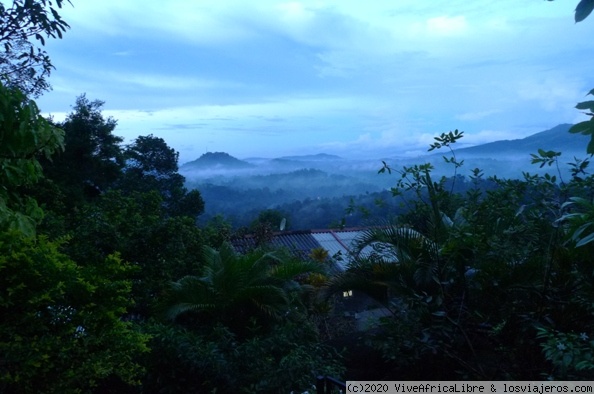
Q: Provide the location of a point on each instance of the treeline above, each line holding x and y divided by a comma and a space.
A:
240, 199
303, 210
241, 208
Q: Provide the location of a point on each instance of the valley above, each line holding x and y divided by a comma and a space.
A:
322, 190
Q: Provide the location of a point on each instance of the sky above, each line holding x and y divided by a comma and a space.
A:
359, 79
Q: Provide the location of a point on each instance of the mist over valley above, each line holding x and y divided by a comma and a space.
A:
316, 190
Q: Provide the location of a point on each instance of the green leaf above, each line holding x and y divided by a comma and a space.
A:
586, 127
567, 359
40, 38
586, 240
583, 9
589, 105
578, 233
586, 105
590, 148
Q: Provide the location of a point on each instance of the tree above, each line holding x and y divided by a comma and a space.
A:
24, 136
271, 218
137, 228
285, 359
152, 165
241, 327
187, 203
235, 288
23, 64
217, 231
92, 160
151, 156
60, 323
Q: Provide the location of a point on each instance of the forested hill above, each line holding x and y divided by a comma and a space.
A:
220, 160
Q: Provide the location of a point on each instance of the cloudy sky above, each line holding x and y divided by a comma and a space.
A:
355, 78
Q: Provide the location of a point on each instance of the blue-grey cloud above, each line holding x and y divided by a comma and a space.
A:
350, 76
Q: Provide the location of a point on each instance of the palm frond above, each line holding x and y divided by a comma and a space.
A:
269, 299
426, 272
190, 293
176, 310
237, 285
257, 267
403, 243
290, 269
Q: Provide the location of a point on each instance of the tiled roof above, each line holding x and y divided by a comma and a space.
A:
301, 243
330, 242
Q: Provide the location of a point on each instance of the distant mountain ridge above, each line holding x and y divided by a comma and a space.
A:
317, 157
557, 139
223, 160
216, 160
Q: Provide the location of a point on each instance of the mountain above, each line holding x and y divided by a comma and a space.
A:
216, 160
321, 161
557, 139
506, 158
318, 157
